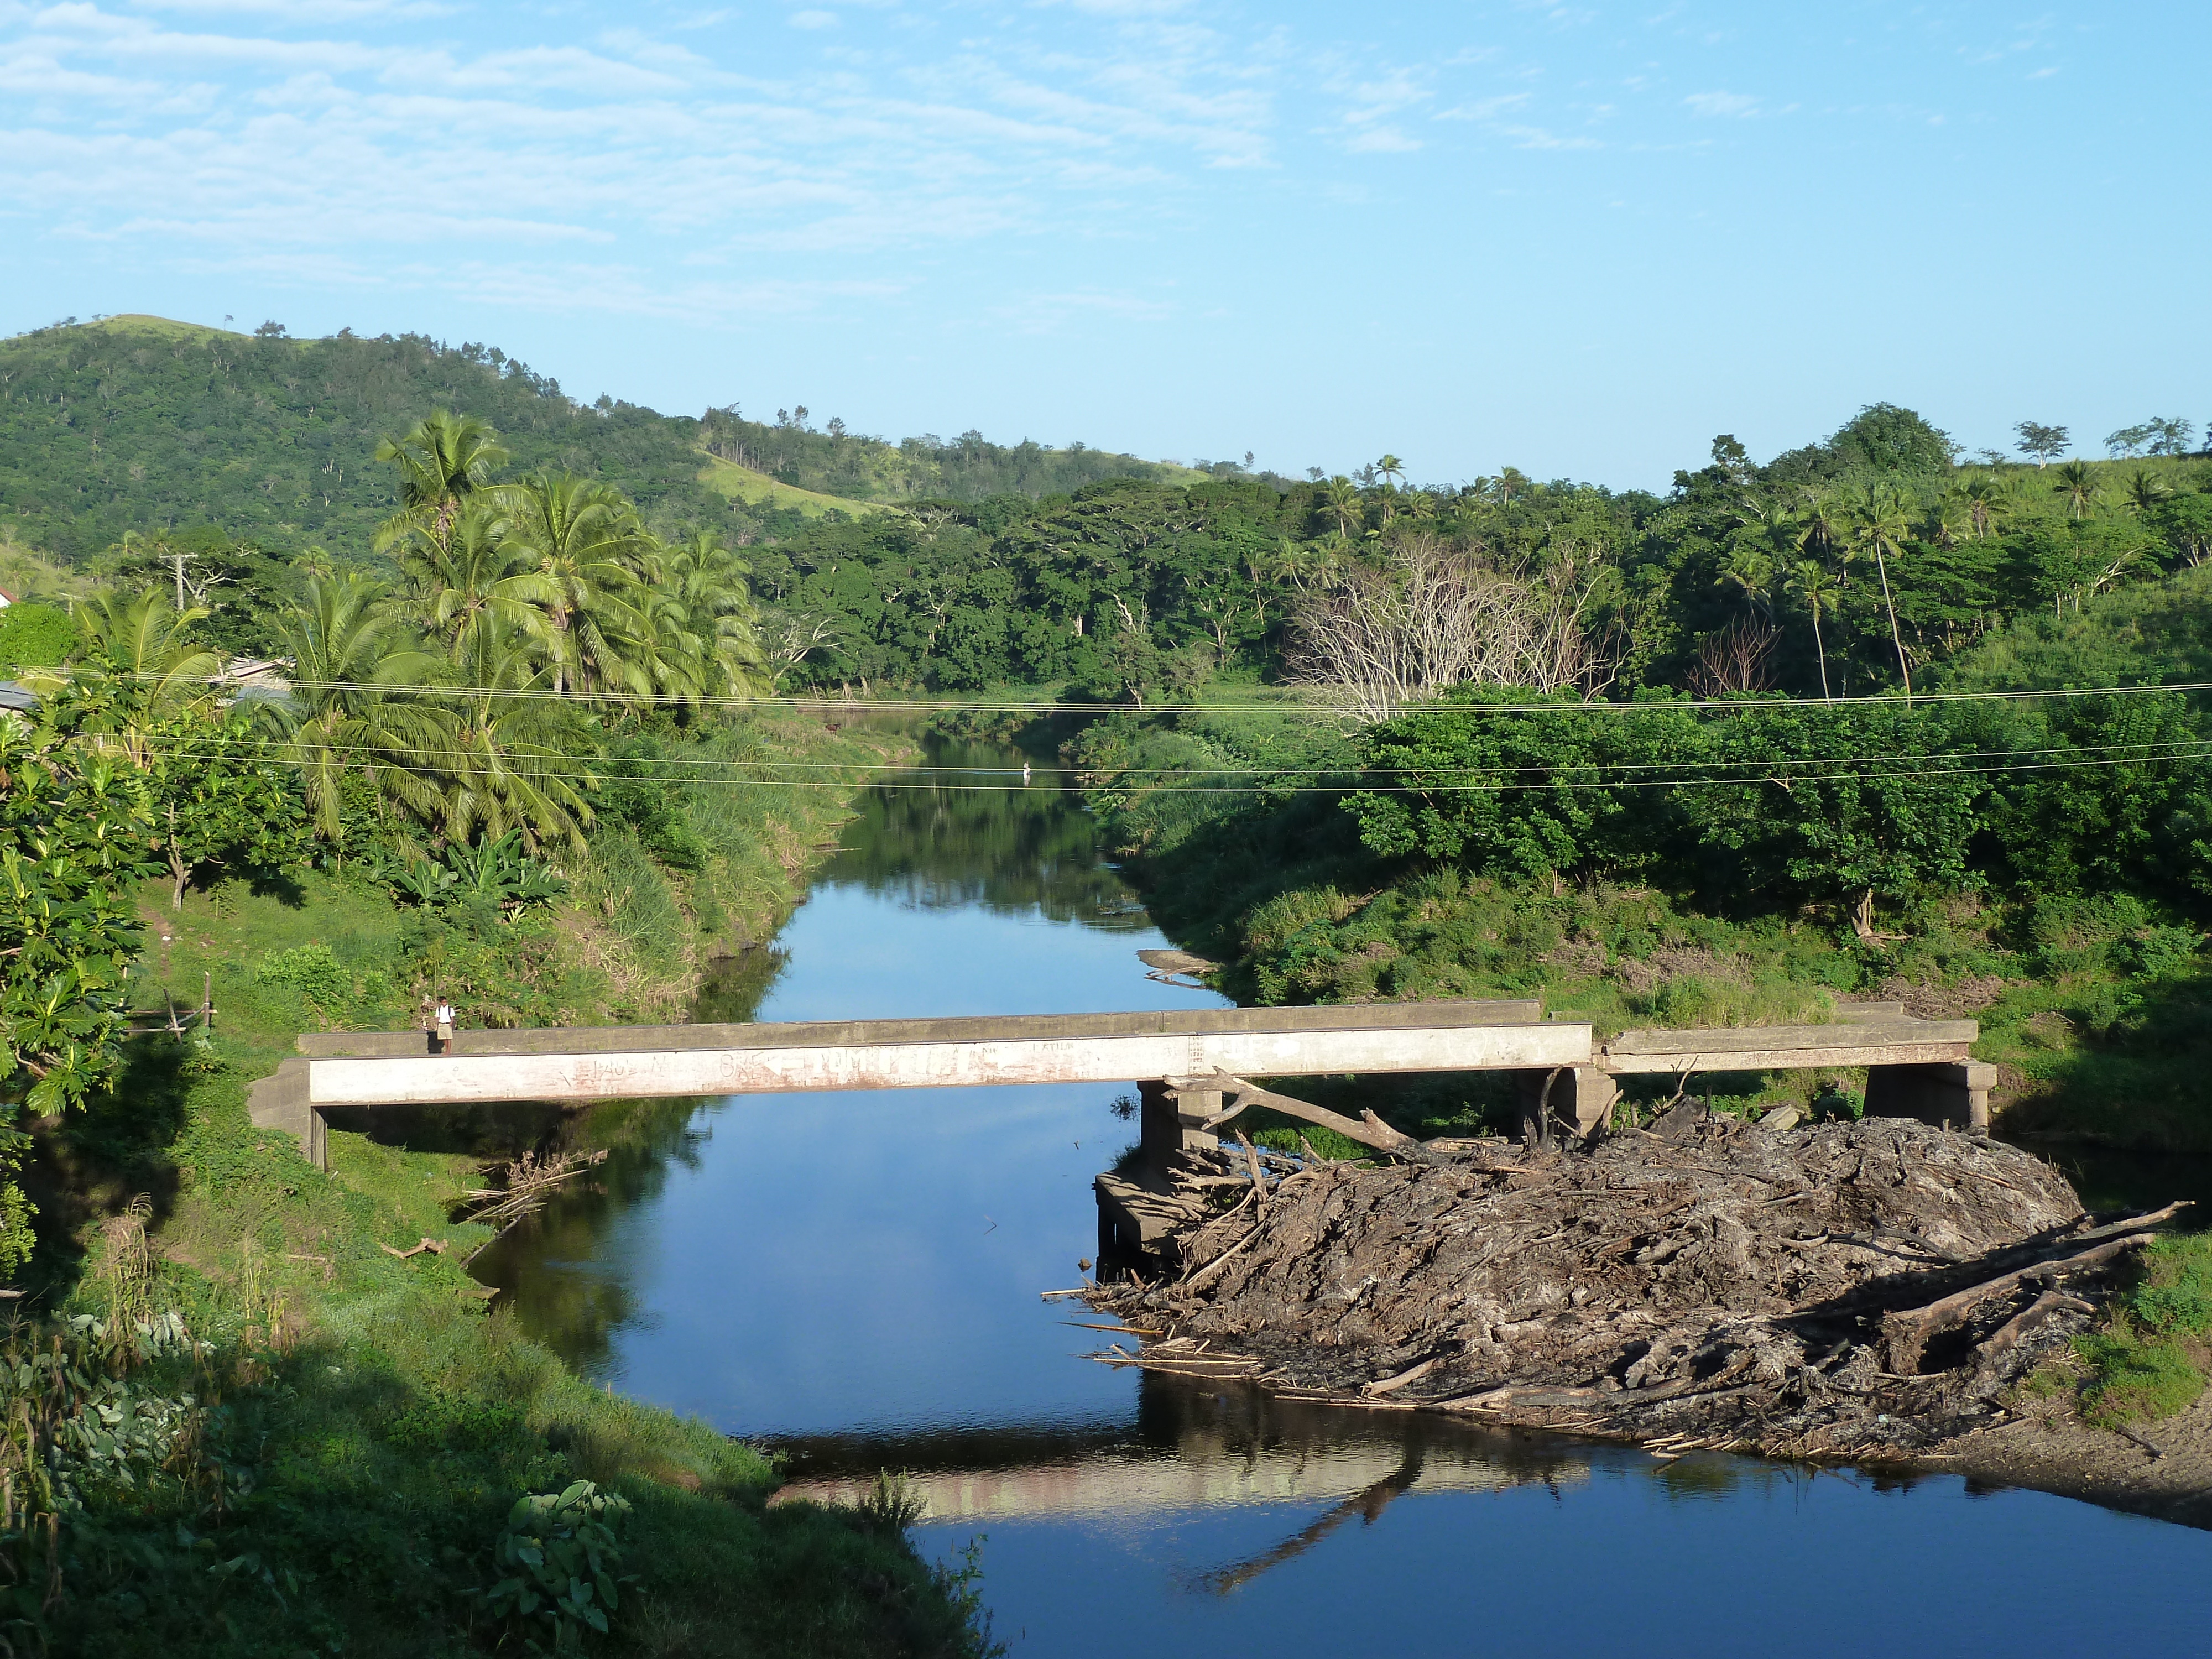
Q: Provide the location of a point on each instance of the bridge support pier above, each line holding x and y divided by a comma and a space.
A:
280, 1101
1580, 1095
1169, 1123
1953, 1092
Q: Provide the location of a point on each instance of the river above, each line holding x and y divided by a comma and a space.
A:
852, 1280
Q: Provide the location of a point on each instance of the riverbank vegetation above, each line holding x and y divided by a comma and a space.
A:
263, 1408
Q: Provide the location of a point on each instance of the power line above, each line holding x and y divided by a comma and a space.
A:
1780, 775
1288, 705
1688, 770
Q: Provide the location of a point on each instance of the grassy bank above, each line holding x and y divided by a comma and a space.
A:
321, 1452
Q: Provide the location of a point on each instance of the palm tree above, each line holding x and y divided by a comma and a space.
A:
2077, 482
512, 764
2146, 489
586, 544
147, 641
1751, 568
478, 577
1822, 525
349, 712
709, 580
1986, 499
1341, 496
446, 459
1391, 468
1881, 525
1807, 580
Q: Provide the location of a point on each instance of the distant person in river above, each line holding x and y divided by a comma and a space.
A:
445, 1026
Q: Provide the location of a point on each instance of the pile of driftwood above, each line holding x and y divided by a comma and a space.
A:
531, 1181
1841, 1289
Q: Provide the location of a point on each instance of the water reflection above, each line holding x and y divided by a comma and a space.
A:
972, 839
1191, 1445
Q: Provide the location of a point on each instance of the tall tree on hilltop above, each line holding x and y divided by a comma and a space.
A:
2046, 443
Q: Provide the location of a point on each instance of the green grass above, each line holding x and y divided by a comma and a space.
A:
2150, 1361
742, 483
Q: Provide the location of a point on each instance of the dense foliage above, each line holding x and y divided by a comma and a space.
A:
141, 425
1845, 568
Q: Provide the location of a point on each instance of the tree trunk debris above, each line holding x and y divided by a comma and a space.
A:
530, 1181
1837, 1291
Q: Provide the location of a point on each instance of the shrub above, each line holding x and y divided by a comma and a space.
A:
555, 1558
310, 970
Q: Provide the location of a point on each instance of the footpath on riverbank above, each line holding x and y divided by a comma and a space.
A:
317, 1434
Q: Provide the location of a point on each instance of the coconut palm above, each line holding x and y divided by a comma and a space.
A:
1392, 468
512, 762
1808, 582
1341, 496
479, 577
586, 544
2077, 483
354, 709
2146, 489
1823, 526
443, 461
1880, 524
147, 641
709, 580
1986, 499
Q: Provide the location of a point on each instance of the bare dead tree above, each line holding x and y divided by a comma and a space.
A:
788, 638
1377, 635
1737, 658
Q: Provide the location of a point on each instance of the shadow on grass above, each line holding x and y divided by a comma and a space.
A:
91, 1163
2139, 1075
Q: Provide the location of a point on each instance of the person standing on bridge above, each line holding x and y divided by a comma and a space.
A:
445, 1026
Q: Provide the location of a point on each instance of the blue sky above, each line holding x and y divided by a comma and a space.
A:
1578, 238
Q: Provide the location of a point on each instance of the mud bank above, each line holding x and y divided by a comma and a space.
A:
1864, 1292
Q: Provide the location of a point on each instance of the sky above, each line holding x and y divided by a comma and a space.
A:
1581, 239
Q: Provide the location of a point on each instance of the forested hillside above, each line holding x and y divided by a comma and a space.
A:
1839, 568
139, 424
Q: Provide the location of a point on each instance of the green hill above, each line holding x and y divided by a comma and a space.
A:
141, 424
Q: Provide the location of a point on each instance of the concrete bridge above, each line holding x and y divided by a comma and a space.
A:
1919, 1068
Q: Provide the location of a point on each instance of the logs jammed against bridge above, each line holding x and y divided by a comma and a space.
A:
1921, 1067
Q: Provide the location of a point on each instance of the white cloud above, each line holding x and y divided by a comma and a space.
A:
1722, 104
814, 19
1526, 137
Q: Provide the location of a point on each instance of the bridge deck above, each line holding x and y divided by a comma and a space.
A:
636, 1062
357, 1069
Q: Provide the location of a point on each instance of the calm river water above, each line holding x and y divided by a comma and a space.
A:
853, 1279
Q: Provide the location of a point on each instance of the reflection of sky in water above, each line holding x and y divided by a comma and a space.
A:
1631, 1560
862, 1269
873, 1259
